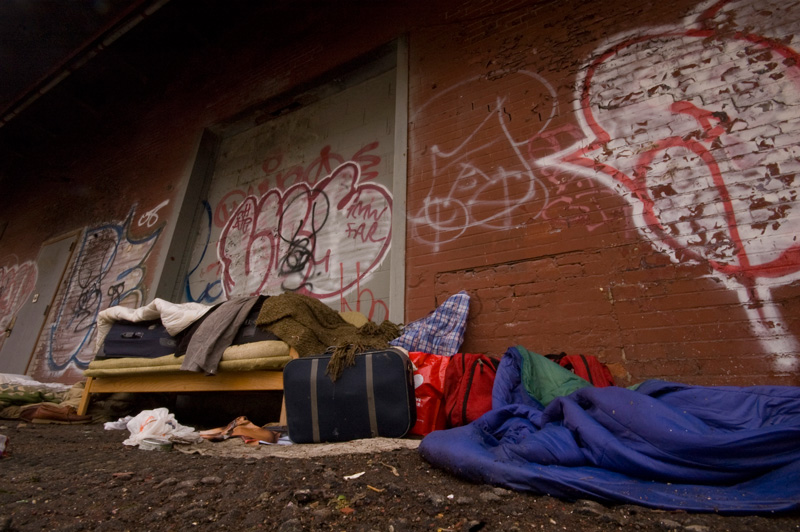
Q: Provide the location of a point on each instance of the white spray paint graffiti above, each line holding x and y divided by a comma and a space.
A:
696, 126
321, 239
491, 194
150, 218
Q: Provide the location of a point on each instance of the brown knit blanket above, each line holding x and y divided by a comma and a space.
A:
313, 328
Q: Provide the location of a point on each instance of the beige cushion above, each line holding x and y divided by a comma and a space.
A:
267, 355
354, 318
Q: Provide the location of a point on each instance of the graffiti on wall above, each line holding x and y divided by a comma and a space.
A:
322, 228
150, 218
211, 291
696, 126
109, 270
490, 178
486, 179
320, 167
276, 176
322, 239
17, 282
566, 204
335, 190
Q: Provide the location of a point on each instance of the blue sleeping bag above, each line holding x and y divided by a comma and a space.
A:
664, 445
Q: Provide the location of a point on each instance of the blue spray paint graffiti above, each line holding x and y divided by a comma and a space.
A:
205, 296
109, 270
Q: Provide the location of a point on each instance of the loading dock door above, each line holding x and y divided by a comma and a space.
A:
18, 348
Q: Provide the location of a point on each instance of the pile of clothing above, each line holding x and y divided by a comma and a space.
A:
23, 398
660, 444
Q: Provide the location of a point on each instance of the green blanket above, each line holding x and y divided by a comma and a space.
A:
545, 380
313, 328
18, 394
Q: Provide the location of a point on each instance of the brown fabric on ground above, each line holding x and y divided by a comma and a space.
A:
311, 328
63, 414
24, 409
243, 428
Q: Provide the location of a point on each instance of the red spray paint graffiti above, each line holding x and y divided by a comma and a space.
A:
320, 167
17, 282
565, 207
706, 154
366, 302
292, 240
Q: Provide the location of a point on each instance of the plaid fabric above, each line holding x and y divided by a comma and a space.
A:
441, 332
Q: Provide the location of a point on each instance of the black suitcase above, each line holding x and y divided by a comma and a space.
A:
248, 332
374, 397
144, 339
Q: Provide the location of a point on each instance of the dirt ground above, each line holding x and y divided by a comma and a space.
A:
81, 477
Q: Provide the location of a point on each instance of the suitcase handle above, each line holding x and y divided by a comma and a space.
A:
129, 335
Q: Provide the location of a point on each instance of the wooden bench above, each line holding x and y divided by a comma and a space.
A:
184, 382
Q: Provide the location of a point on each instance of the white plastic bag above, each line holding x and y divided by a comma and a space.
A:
120, 424
159, 423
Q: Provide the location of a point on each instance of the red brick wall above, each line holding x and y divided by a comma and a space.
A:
661, 267
116, 177
608, 248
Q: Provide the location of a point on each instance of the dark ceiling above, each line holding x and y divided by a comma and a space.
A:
42, 39
72, 68
68, 63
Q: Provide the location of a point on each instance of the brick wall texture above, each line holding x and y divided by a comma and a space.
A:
607, 178
614, 179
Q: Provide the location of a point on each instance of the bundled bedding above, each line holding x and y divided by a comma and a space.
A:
219, 342
19, 392
270, 355
660, 444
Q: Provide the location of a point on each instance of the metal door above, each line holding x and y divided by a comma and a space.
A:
23, 334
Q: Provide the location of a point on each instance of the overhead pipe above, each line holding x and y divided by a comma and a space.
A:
85, 53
